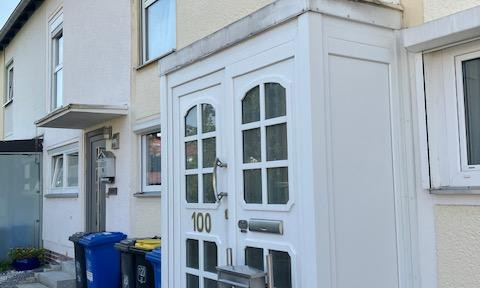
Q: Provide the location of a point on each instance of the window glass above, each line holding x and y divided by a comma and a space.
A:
57, 180
210, 256
191, 122
209, 283
254, 258
9, 92
153, 161
209, 152
251, 106
277, 182
277, 142
208, 118
57, 90
192, 253
208, 194
192, 188
191, 159
72, 171
159, 28
282, 269
251, 146
192, 281
275, 103
471, 86
252, 182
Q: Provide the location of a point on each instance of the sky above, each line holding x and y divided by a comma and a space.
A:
6, 8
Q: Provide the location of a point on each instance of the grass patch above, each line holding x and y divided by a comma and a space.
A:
5, 265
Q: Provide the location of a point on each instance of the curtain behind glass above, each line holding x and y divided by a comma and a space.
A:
160, 28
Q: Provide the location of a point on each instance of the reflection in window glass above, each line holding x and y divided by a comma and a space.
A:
282, 269
209, 152
210, 256
277, 142
57, 180
159, 29
191, 122
252, 146
252, 186
208, 194
192, 188
471, 88
275, 103
192, 253
251, 106
254, 257
191, 157
208, 118
277, 185
72, 170
153, 159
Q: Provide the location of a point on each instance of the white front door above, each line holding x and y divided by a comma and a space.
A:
202, 218
248, 128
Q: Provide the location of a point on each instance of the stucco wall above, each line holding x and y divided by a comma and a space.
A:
458, 246
438, 8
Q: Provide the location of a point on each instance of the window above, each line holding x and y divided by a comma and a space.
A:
151, 162
198, 269
9, 84
57, 66
158, 28
65, 170
282, 266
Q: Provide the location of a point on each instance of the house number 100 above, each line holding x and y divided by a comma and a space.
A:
201, 222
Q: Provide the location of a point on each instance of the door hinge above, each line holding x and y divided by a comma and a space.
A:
226, 214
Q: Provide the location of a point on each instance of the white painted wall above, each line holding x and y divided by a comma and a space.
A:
434, 9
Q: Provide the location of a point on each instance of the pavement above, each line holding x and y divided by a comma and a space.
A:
10, 279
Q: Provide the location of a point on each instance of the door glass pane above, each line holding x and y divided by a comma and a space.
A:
72, 172
254, 257
153, 149
252, 182
209, 152
277, 142
208, 118
191, 157
192, 281
210, 256
191, 122
192, 253
282, 269
471, 87
209, 283
251, 106
192, 188
251, 146
275, 104
277, 182
208, 195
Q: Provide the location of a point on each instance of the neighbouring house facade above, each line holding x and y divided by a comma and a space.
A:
337, 136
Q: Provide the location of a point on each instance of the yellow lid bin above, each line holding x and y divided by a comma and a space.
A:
148, 244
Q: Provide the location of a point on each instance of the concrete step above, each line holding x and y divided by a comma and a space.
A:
68, 266
56, 279
31, 285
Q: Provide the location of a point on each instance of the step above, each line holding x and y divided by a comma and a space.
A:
56, 279
68, 266
31, 285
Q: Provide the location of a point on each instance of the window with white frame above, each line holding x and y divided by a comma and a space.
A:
65, 170
158, 28
452, 93
56, 62
9, 84
151, 171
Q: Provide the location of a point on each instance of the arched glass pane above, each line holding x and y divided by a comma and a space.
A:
208, 118
251, 106
275, 103
191, 122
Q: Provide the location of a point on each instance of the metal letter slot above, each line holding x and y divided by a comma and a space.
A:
266, 226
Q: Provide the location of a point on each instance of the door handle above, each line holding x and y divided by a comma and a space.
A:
218, 196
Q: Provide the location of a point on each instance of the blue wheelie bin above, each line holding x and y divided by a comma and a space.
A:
102, 259
155, 257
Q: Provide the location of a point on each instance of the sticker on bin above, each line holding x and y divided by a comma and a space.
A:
125, 281
141, 274
89, 276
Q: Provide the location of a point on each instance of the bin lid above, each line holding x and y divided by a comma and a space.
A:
155, 256
96, 239
124, 245
148, 244
77, 236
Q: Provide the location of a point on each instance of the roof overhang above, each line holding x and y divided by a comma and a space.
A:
17, 19
81, 116
443, 32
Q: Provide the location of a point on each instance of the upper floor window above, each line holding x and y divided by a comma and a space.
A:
9, 84
56, 61
158, 28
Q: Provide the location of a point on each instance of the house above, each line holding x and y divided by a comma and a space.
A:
335, 138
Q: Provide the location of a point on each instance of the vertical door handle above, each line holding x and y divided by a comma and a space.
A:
218, 196
270, 281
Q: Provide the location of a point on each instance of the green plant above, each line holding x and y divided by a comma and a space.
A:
26, 252
4, 265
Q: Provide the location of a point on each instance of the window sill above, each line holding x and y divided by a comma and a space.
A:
148, 194
145, 64
455, 191
61, 195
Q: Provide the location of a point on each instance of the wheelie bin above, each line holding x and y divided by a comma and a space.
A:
144, 269
127, 260
102, 259
80, 268
155, 257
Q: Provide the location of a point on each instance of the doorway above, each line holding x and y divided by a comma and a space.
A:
95, 208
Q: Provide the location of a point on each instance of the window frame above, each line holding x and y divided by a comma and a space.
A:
64, 152
144, 5
143, 164
9, 79
55, 33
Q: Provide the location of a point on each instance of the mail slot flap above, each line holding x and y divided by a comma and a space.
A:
266, 226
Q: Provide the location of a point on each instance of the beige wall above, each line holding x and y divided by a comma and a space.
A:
458, 246
199, 18
438, 8
413, 12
